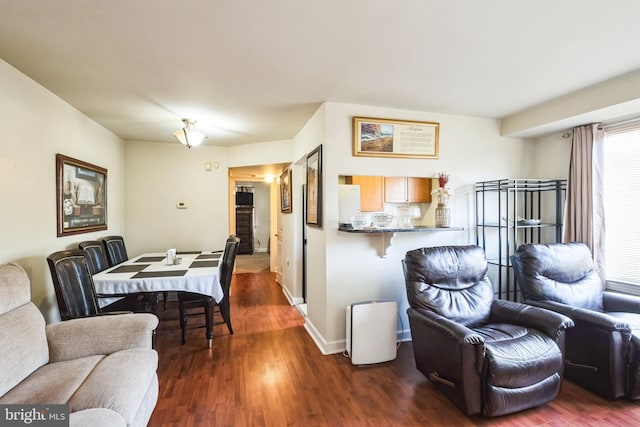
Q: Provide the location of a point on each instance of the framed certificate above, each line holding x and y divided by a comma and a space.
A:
395, 138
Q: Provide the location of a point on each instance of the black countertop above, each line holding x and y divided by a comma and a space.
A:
418, 229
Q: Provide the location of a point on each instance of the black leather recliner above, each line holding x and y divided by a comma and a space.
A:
603, 350
489, 356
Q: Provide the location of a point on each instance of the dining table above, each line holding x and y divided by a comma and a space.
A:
193, 271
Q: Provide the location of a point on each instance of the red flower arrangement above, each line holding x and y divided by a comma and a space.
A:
443, 178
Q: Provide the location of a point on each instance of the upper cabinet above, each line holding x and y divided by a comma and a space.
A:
400, 189
371, 192
375, 191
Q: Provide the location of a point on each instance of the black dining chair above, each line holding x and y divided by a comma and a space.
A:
96, 256
115, 250
75, 292
192, 304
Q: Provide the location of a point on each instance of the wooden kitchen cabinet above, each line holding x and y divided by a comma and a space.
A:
371, 192
419, 190
400, 189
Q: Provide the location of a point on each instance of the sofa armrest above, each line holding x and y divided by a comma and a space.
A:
583, 317
88, 336
614, 301
550, 323
96, 417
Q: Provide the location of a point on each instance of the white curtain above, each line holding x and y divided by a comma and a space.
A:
584, 210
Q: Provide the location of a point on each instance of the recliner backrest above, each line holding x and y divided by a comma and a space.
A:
450, 281
560, 272
115, 249
73, 284
95, 254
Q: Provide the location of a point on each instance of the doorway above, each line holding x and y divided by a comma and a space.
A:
264, 238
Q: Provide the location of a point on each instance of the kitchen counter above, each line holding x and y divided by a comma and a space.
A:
416, 229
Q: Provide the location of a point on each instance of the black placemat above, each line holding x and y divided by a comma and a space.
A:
150, 258
129, 268
188, 252
196, 264
209, 256
170, 273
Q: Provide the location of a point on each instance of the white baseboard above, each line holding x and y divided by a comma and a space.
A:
292, 300
324, 347
339, 346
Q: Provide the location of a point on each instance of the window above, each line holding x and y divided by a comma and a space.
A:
621, 198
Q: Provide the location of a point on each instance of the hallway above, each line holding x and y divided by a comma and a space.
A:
256, 263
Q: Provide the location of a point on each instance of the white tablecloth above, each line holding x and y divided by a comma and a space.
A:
197, 278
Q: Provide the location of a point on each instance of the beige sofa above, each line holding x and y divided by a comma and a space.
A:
103, 368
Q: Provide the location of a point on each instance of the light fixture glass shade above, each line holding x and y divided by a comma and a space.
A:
188, 135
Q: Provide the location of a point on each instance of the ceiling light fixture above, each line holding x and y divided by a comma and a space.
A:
188, 135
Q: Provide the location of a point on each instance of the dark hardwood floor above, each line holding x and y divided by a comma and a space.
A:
270, 373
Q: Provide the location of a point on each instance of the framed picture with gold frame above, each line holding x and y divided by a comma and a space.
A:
81, 196
314, 187
285, 191
395, 138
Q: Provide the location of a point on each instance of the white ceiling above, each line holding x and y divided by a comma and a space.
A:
252, 71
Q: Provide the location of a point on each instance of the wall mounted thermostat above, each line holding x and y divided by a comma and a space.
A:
181, 205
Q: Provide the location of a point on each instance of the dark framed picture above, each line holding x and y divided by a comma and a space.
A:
314, 187
285, 191
81, 196
395, 138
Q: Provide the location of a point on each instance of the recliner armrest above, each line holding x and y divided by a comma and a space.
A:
550, 323
459, 332
582, 316
72, 339
615, 301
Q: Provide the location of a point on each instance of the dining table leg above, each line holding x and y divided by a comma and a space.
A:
208, 312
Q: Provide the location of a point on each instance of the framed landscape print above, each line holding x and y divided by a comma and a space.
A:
314, 187
285, 191
395, 138
81, 196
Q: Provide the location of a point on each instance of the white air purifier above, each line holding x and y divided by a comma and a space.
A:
371, 331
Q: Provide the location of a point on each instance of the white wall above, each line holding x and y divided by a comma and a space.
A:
262, 223
311, 135
37, 125
160, 175
551, 157
361, 267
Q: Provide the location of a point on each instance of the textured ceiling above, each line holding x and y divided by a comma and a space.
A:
252, 71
